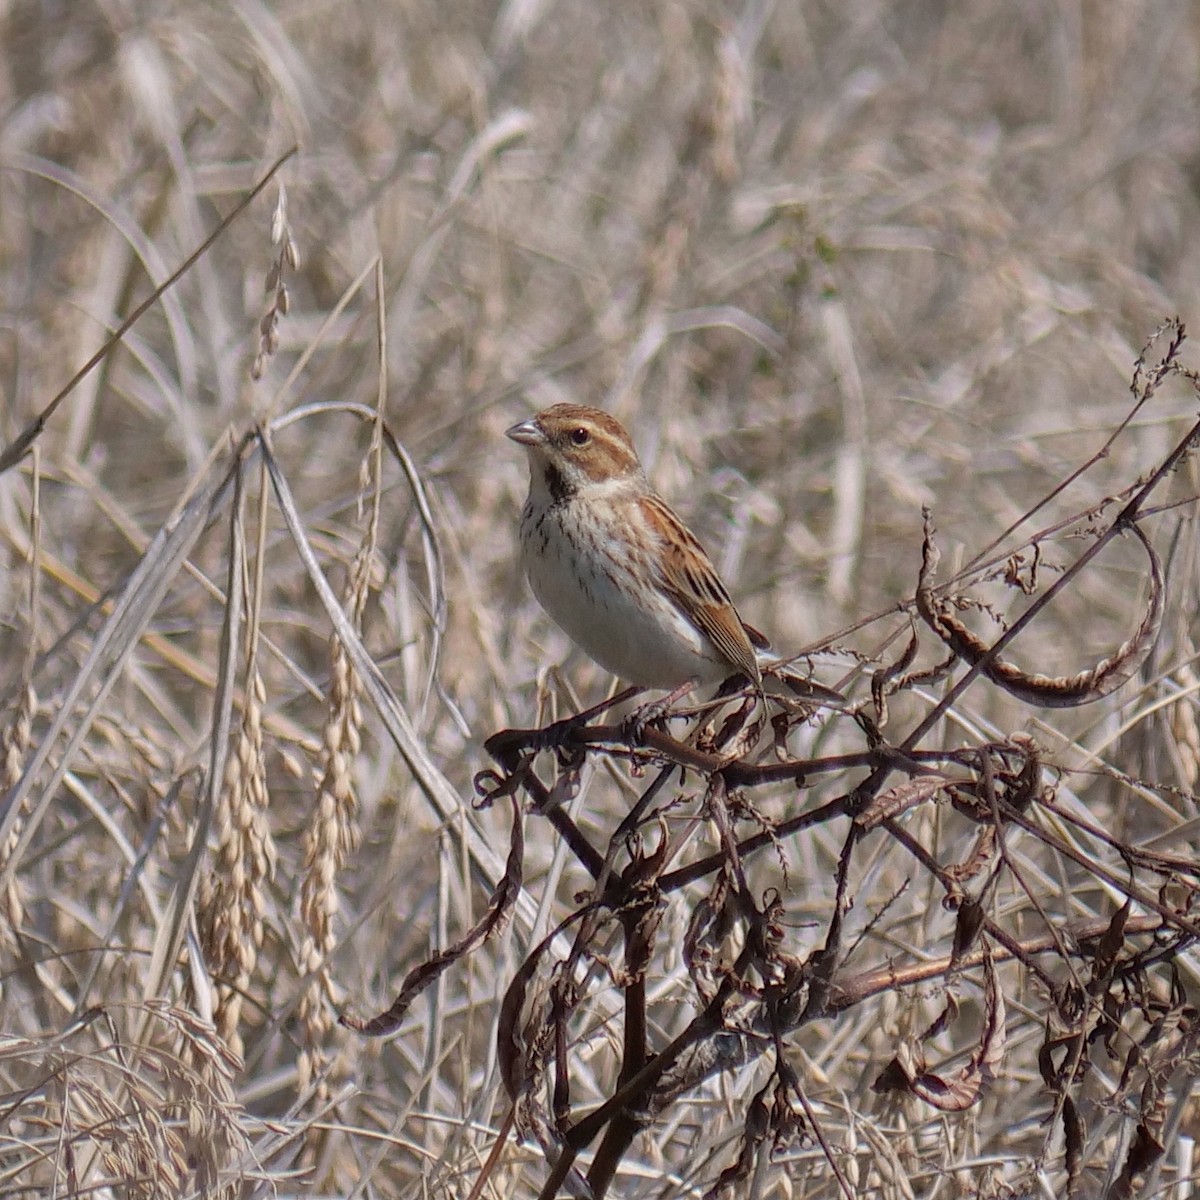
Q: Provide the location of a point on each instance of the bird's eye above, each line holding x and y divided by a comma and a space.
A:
580, 436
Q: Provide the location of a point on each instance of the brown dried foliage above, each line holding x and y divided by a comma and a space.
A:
1110, 994
832, 264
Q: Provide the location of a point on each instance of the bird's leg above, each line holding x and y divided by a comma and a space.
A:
645, 715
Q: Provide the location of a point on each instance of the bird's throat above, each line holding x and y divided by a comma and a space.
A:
558, 487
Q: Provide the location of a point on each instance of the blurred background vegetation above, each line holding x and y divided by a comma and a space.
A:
830, 261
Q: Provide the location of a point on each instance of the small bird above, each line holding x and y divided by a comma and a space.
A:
615, 568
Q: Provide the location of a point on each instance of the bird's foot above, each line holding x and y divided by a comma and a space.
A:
634, 727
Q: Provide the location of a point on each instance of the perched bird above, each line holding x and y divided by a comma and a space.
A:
615, 568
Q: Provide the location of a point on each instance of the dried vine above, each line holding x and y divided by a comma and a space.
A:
698, 843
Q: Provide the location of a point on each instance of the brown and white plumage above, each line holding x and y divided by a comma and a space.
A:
613, 565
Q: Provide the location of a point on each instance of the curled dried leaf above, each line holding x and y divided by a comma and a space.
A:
1043, 690
1145, 1151
891, 803
890, 678
1109, 946
908, 1072
966, 929
755, 1129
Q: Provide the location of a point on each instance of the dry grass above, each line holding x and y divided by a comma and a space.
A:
830, 262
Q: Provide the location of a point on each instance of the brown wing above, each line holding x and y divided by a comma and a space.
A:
693, 583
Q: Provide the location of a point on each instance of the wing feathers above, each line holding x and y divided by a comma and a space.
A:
693, 583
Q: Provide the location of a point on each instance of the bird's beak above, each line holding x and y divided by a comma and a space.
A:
528, 433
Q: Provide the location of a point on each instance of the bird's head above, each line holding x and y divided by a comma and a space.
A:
574, 449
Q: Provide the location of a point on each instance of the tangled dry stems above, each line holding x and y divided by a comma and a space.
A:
752, 984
